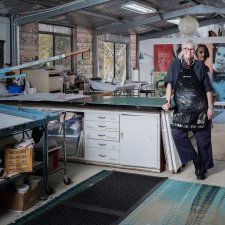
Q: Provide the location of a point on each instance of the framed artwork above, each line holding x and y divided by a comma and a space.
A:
219, 71
163, 57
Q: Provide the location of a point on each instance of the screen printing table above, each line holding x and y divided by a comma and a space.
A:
134, 116
14, 120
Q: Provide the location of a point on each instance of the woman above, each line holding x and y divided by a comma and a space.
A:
188, 79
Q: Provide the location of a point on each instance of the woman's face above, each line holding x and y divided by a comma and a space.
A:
188, 51
201, 54
220, 59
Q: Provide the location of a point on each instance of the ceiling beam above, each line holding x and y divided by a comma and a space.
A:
174, 29
58, 10
195, 10
99, 15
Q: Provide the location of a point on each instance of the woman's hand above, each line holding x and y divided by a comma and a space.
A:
166, 107
210, 113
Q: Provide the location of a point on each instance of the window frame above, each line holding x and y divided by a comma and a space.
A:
54, 34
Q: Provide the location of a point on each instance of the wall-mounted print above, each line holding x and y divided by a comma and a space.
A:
219, 71
204, 53
159, 79
163, 56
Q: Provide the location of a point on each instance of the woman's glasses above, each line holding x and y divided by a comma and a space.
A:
189, 49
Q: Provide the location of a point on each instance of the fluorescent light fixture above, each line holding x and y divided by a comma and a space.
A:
138, 7
174, 21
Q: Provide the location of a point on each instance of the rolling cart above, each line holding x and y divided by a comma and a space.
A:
15, 120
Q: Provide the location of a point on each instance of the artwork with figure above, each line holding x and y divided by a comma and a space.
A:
212, 55
204, 53
163, 56
219, 71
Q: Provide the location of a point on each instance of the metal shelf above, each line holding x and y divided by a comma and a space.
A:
36, 166
23, 119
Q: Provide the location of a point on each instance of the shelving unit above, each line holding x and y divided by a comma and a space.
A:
14, 120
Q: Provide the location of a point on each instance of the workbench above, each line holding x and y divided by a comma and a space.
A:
14, 120
121, 131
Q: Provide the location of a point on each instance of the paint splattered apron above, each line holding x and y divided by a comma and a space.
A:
191, 102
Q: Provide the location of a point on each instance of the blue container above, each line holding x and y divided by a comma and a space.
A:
15, 88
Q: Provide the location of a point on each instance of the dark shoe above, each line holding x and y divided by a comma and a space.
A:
198, 165
197, 172
202, 175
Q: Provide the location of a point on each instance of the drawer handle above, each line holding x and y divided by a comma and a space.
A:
101, 117
101, 135
101, 144
101, 126
101, 155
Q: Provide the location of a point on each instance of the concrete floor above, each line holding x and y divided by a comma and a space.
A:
79, 172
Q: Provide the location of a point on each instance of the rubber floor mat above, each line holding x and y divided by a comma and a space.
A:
119, 191
61, 215
104, 199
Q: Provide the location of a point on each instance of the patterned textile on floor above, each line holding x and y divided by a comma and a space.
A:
181, 203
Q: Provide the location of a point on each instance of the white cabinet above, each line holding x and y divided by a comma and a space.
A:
44, 80
140, 140
101, 136
130, 139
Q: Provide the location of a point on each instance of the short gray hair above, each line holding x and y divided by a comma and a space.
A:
189, 42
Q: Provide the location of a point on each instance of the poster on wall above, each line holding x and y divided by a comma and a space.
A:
219, 71
164, 54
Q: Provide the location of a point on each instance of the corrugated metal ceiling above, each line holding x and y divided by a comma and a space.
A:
109, 17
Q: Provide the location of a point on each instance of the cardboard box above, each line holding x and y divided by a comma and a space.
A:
18, 160
53, 159
19, 201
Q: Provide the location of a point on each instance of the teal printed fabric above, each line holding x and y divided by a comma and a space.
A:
181, 203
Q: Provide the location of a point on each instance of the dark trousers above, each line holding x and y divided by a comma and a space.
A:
186, 150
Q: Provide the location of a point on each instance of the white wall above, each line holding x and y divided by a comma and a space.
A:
146, 47
5, 36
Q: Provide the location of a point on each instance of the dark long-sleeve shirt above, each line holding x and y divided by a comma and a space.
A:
199, 69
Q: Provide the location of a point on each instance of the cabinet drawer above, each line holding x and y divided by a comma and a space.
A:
114, 156
99, 125
95, 154
102, 135
102, 155
91, 143
100, 116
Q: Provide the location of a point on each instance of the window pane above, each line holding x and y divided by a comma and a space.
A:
120, 63
54, 29
45, 27
108, 60
62, 30
63, 46
46, 47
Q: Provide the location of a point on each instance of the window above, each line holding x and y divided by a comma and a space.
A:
114, 61
55, 40
46, 47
